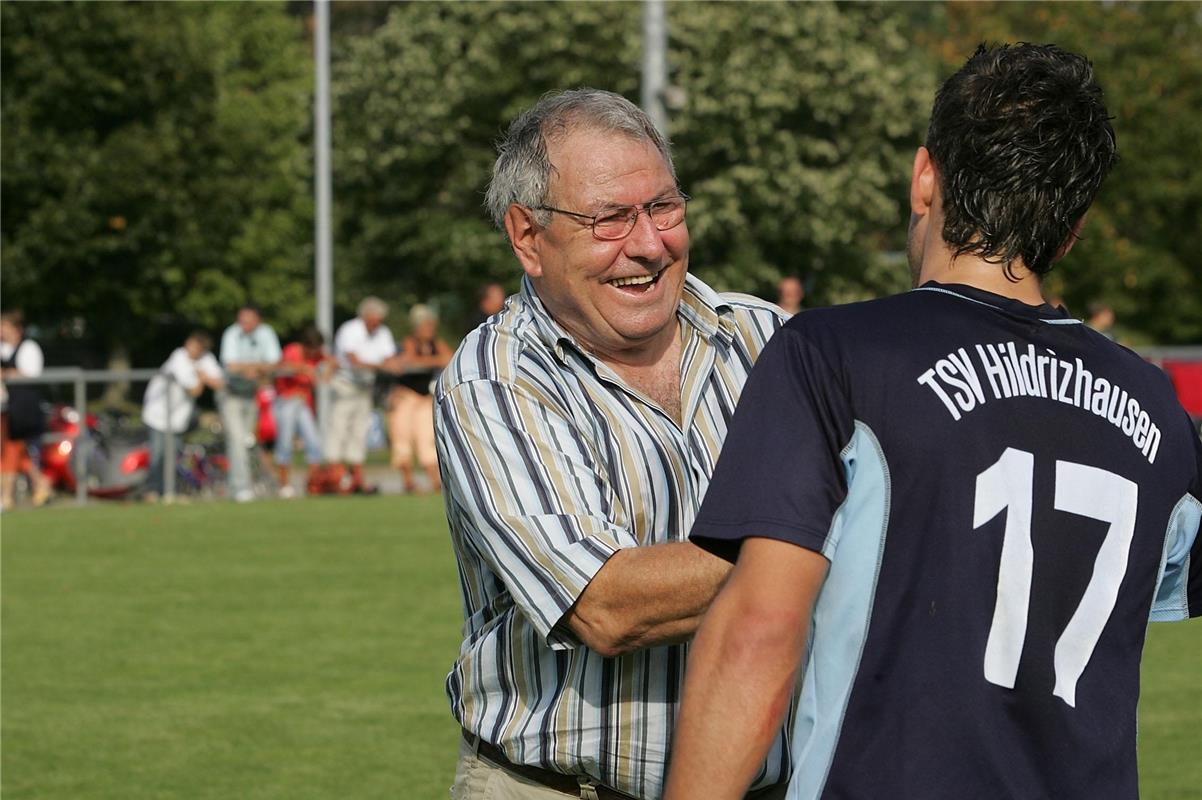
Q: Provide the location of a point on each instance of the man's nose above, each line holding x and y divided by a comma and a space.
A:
645, 242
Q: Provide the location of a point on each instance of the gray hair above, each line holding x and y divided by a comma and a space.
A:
422, 313
522, 172
373, 306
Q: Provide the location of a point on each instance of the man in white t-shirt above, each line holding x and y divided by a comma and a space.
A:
170, 396
362, 346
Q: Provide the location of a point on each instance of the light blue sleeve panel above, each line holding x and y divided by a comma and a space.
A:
1171, 602
856, 545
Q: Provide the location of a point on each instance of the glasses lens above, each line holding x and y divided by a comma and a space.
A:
615, 223
667, 213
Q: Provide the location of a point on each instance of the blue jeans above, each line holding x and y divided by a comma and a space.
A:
158, 453
292, 416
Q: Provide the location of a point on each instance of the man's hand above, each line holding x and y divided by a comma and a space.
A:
214, 382
742, 670
646, 596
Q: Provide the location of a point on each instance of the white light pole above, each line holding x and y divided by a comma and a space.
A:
324, 277
655, 63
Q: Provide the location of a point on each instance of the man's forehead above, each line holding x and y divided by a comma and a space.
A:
597, 166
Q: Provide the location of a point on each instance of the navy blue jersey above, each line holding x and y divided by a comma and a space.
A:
1005, 498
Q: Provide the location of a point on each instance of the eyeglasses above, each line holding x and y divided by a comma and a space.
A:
617, 222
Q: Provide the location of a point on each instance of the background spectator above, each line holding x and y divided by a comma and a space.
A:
303, 363
411, 402
490, 299
169, 400
1101, 318
790, 294
249, 352
361, 346
22, 419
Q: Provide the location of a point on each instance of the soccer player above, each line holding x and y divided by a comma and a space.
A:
958, 504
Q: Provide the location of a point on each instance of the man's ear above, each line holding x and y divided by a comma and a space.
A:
923, 183
523, 238
1073, 236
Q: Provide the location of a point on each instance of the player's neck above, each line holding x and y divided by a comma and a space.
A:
1020, 284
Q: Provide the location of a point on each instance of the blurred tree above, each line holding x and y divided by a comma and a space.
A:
1139, 249
795, 135
155, 165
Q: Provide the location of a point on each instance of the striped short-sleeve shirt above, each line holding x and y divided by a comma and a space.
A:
551, 463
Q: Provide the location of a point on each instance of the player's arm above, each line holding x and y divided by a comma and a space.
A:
742, 669
647, 596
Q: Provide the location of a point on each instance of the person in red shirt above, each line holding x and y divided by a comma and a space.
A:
302, 364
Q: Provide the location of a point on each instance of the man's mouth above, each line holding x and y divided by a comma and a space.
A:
636, 283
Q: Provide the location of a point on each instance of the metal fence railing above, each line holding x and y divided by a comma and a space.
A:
79, 380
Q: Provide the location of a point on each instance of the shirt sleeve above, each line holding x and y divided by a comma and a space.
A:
228, 347
30, 359
1179, 589
208, 365
780, 474
183, 370
389, 348
345, 341
529, 497
271, 346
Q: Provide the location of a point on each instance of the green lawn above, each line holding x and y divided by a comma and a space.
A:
295, 650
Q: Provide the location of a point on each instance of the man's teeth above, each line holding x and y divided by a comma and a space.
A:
635, 280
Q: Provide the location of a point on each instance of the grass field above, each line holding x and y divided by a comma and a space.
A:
295, 650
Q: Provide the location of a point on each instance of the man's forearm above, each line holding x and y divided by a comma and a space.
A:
251, 369
646, 596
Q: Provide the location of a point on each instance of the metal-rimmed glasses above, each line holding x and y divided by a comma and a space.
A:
617, 222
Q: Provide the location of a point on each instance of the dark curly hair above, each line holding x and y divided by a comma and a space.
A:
1021, 141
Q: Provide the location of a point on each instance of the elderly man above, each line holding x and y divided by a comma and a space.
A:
362, 346
577, 431
959, 504
249, 352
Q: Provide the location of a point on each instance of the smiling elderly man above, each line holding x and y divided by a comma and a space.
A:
577, 432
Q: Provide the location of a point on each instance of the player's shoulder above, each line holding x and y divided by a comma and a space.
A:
851, 322
1123, 362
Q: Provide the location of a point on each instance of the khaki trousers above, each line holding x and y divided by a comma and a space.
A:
411, 429
479, 779
350, 417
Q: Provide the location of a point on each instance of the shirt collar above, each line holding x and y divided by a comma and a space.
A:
1044, 311
700, 306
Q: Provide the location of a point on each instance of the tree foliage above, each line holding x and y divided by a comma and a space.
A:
155, 163
1139, 251
794, 138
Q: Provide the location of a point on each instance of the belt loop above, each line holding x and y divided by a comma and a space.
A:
588, 788
473, 742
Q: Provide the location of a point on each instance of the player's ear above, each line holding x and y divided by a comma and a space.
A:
922, 183
1073, 236
523, 238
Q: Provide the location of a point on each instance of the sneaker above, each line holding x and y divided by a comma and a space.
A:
287, 492
244, 496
